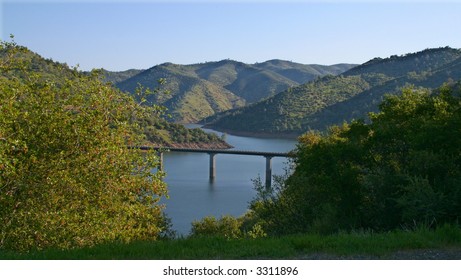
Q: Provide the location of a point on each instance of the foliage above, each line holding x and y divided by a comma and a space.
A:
402, 169
66, 177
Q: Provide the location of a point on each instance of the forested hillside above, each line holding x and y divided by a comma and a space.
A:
335, 99
301, 73
201, 90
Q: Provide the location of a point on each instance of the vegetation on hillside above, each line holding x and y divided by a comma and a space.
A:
201, 90
317, 104
401, 65
189, 98
161, 133
302, 73
427, 69
287, 111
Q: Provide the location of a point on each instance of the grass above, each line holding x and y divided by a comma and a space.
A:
368, 244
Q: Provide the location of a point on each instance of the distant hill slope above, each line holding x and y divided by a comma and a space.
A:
201, 90
191, 98
334, 99
119, 76
302, 73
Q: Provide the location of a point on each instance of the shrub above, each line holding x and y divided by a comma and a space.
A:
227, 226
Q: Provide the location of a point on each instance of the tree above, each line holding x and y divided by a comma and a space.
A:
67, 178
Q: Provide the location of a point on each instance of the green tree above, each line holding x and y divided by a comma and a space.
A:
67, 178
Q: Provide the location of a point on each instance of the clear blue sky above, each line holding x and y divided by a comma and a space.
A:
118, 35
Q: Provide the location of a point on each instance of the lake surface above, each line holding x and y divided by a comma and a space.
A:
193, 196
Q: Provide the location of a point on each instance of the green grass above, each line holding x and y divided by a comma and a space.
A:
368, 244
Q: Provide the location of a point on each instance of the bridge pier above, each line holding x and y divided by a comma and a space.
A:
212, 167
268, 181
160, 164
268, 171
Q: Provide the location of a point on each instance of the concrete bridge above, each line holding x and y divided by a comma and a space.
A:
213, 153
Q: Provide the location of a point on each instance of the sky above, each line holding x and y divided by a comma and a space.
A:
119, 35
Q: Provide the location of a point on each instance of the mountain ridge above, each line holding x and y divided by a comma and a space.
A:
225, 84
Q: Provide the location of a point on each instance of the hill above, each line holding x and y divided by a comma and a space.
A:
334, 99
201, 90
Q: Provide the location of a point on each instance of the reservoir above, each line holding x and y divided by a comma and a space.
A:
193, 196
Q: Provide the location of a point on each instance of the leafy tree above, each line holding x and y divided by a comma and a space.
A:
67, 178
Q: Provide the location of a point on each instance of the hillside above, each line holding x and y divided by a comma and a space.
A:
302, 73
334, 99
285, 112
157, 131
201, 90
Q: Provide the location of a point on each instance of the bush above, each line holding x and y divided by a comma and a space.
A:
227, 226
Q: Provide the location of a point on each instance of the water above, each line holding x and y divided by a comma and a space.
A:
193, 196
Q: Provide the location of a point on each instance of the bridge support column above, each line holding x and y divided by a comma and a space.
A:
212, 167
160, 158
268, 171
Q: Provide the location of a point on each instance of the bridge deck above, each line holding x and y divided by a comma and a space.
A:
216, 151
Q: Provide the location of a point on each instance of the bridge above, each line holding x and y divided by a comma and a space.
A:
214, 152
